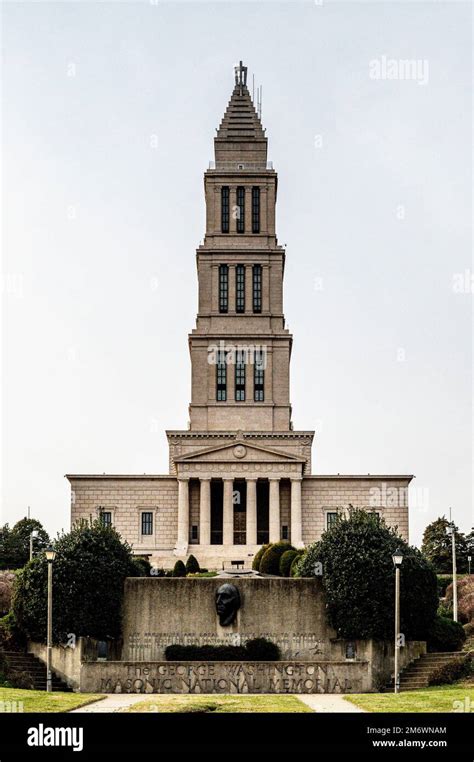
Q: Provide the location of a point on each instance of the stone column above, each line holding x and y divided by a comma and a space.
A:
183, 517
296, 514
205, 512
228, 513
274, 509
251, 524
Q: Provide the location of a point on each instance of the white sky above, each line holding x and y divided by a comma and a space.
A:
100, 231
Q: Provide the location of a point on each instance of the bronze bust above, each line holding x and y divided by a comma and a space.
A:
227, 603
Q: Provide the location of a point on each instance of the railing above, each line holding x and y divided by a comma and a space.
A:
241, 166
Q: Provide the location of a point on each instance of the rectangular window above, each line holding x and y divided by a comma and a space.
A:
255, 210
240, 209
240, 376
223, 288
147, 522
259, 376
225, 209
221, 370
285, 535
194, 532
331, 519
240, 288
257, 288
106, 518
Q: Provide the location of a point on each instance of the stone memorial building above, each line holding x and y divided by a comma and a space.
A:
239, 475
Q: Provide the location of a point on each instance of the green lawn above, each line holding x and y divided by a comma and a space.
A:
220, 704
16, 700
442, 698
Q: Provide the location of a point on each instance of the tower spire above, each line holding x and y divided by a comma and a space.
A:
240, 72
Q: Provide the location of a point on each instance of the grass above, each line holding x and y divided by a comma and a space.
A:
206, 703
442, 698
40, 701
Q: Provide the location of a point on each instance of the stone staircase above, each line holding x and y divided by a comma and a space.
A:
31, 670
418, 673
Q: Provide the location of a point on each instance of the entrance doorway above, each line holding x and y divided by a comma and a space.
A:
217, 512
263, 517
240, 512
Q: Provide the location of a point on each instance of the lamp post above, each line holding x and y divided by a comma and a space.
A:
50, 556
397, 559
469, 558
451, 531
33, 536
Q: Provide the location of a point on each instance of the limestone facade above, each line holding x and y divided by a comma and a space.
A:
239, 475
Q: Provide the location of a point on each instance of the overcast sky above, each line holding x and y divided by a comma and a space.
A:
109, 112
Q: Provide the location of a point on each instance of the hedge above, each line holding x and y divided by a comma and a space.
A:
295, 562
270, 563
258, 557
285, 562
258, 649
192, 565
445, 635
179, 569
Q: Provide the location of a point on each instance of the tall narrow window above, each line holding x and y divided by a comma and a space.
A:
223, 288
240, 209
221, 377
255, 210
225, 209
240, 376
240, 288
257, 288
147, 522
259, 376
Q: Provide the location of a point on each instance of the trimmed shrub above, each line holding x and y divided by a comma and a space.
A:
445, 635
285, 562
295, 563
179, 569
192, 565
258, 557
258, 649
357, 568
454, 670
91, 565
270, 563
261, 649
141, 567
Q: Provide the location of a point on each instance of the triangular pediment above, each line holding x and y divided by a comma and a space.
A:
239, 451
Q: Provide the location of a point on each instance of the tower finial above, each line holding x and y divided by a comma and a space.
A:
240, 73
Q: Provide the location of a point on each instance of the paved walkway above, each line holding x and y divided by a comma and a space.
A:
328, 702
113, 702
116, 702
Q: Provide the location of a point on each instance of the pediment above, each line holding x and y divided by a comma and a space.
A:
239, 452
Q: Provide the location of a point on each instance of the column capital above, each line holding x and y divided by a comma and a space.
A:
274, 478
205, 478
184, 478
296, 478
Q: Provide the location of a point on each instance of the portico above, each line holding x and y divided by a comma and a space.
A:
239, 491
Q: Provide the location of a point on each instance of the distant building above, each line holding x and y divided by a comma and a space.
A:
239, 476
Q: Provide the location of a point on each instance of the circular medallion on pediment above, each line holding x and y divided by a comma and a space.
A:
240, 451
